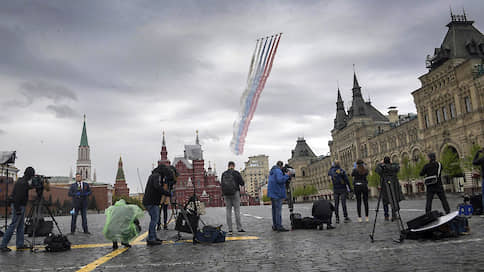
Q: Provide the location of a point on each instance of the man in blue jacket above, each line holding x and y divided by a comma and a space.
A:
79, 191
341, 187
276, 190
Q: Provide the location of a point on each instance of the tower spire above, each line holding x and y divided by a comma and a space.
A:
196, 139
120, 186
164, 153
340, 120
84, 134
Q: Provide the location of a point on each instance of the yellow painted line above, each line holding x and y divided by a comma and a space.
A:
138, 241
91, 245
91, 266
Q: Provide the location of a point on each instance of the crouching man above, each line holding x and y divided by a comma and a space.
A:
323, 210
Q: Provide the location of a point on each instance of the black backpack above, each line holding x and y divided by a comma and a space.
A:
228, 183
57, 243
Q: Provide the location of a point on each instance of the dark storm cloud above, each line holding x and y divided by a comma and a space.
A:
62, 111
33, 90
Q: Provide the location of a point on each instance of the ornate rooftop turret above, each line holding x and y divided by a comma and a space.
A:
340, 120
462, 41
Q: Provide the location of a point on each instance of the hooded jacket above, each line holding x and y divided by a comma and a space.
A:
154, 187
276, 185
341, 183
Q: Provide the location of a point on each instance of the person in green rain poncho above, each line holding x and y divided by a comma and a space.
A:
122, 223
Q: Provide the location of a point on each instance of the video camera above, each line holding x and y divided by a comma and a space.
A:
39, 183
288, 169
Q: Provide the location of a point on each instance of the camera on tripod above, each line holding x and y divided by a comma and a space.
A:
39, 183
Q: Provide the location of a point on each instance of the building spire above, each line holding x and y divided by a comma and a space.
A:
340, 120
120, 173
196, 139
84, 134
163, 153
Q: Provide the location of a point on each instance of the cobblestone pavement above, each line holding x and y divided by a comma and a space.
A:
346, 248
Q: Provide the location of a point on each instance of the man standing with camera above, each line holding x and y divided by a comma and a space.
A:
480, 162
276, 190
19, 197
231, 182
152, 198
79, 191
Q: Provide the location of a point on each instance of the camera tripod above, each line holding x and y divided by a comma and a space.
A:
395, 206
35, 216
174, 212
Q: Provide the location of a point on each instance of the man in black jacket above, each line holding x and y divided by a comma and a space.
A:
152, 198
323, 210
434, 169
480, 161
20, 197
232, 195
391, 191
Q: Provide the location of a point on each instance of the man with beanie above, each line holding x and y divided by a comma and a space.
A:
152, 198
276, 190
20, 197
341, 187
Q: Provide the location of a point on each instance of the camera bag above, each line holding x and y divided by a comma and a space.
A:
42, 228
210, 234
57, 243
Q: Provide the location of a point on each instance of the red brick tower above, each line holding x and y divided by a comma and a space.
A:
164, 153
120, 186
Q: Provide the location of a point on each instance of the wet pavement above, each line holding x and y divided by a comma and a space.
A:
346, 248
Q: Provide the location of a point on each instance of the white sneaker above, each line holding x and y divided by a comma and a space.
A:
366, 219
360, 220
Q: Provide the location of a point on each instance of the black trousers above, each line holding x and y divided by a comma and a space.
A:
337, 196
443, 199
361, 191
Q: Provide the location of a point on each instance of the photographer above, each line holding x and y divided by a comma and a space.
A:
323, 210
276, 190
341, 187
79, 191
388, 176
19, 197
166, 199
432, 172
480, 162
152, 198
231, 182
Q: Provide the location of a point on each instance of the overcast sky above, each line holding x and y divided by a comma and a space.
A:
136, 68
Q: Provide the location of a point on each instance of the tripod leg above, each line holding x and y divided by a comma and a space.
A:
395, 210
52, 217
376, 215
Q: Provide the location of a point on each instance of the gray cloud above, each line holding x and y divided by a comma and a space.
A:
62, 111
2, 132
33, 90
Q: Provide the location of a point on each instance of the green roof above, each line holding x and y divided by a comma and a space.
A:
84, 134
120, 174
